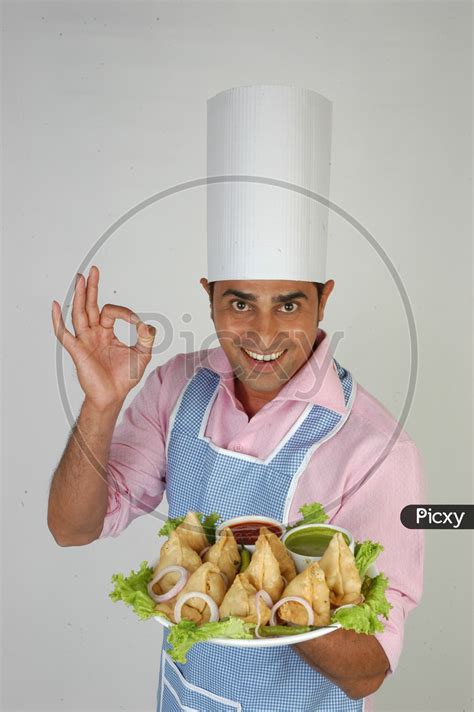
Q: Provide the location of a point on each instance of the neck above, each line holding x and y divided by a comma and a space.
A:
252, 401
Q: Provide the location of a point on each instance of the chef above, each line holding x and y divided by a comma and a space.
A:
264, 423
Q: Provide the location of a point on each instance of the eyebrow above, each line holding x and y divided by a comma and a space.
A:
280, 298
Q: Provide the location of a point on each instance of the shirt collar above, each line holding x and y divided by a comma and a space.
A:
316, 382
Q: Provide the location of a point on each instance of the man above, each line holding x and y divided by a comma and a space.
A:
261, 425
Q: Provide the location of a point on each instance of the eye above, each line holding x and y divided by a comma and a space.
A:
237, 303
293, 306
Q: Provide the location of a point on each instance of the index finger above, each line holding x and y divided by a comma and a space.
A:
111, 312
92, 291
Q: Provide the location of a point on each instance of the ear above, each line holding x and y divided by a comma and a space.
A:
205, 284
328, 287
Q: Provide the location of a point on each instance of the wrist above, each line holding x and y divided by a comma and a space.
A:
110, 410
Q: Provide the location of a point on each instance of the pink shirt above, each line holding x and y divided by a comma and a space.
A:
137, 462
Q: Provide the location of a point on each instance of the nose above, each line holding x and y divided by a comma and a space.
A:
266, 335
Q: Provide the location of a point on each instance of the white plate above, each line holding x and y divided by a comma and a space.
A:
372, 571
262, 642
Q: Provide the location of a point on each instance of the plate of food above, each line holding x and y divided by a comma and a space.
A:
253, 582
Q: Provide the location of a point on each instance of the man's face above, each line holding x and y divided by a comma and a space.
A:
266, 318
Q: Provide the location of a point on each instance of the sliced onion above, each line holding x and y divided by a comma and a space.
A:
179, 585
226, 580
296, 599
285, 581
203, 551
196, 594
266, 597
268, 601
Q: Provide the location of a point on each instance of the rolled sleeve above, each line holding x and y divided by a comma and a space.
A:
373, 512
136, 466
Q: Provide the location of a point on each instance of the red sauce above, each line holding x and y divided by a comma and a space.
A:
248, 532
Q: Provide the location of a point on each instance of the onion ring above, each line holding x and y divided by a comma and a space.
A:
196, 594
296, 599
268, 601
179, 585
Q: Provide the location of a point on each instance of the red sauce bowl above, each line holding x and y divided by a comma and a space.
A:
246, 530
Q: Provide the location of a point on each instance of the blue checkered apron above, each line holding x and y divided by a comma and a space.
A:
205, 478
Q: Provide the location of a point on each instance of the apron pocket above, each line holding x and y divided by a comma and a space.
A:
179, 695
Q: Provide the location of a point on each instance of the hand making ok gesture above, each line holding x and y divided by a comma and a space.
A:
107, 368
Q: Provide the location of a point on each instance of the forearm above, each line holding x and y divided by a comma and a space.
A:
79, 493
354, 662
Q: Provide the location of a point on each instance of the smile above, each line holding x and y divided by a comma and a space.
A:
264, 357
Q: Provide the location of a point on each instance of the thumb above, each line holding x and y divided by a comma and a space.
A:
145, 337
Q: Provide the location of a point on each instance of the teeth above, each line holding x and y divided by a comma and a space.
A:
261, 357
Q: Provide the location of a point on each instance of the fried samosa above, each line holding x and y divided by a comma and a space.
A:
191, 532
225, 554
240, 601
341, 572
174, 553
286, 563
263, 572
206, 579
311, 585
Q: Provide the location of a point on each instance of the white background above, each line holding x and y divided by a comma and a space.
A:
104, 105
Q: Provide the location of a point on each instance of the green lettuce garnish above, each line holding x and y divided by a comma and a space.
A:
363, 618
365, 553
209, 524
132, 590
312, 514
185, 634
170, 525
208, 521
373, 590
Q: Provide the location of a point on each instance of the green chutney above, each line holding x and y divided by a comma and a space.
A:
311, 542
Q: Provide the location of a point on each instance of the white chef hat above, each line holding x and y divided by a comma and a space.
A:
263, 231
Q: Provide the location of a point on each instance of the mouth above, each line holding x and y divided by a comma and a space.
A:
264, 362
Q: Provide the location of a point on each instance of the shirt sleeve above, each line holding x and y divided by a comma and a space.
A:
373, 512
136, 466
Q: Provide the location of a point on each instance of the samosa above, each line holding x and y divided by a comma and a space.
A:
263, 572
286, 563
174, 553
191, 532
342, 576
240, 601
206, 579
311, 585
225, 554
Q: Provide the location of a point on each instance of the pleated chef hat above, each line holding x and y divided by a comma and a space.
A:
261, 231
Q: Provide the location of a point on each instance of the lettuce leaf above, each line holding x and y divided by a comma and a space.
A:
359, 618
373, 590
170, 525
132, 590
185, 634
365, 553
312, 514
363, 618
209, 523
